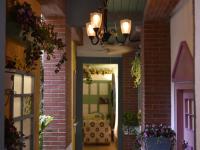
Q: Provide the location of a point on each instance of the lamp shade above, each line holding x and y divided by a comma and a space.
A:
89, 29
96, 19
125, 26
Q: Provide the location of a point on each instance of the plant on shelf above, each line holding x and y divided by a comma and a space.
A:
136, 70
37, 36
130, 123
13, 138
156, 137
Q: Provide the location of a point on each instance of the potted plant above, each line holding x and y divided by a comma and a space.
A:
44, 122
130, 122
156, 137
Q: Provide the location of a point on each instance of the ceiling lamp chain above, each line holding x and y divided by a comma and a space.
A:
97, 29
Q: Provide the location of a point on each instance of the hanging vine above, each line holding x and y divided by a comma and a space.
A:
37, 36
136, 71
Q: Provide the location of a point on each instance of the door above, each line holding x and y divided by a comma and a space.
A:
188, 117
79, 98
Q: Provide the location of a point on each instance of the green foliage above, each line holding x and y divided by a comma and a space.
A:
37, 36
136, 71
13, 138
44, 122
130, 119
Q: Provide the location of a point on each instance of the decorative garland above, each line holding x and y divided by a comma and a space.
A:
37, 36
136, 71
89, 71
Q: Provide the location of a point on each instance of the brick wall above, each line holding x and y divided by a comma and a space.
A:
156, 71
130, 95
56, 97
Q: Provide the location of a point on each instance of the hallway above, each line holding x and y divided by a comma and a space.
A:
112, 146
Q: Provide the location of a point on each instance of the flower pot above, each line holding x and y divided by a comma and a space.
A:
155, 143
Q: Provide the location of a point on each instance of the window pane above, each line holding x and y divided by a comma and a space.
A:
103, 89
27, 84
27, 105
93, 108
85, 89
103, 108
27, 127
186, 106
93, 89
17, 124
191, 106
17, 107
191, 122
18, 84
186, 121
27, 143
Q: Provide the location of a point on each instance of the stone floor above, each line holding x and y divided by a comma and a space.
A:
112, 146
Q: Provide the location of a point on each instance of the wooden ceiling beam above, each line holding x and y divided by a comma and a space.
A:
159, 9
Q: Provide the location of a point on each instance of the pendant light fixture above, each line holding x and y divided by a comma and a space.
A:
97, 27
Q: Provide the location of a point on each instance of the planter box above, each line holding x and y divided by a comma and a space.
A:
157, 144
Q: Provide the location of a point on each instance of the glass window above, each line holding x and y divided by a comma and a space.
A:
85, 89
18, 84
27, 105
103, 88
28, 84
93, 89
27, 127
23, 107
17, 107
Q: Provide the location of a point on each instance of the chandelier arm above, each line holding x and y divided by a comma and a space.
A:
122, 42
134, 39
93, 41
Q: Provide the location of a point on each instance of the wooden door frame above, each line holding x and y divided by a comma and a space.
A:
2, 59
79, 93
180, 87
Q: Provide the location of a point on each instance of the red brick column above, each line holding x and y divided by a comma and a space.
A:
156, 71
55, 95
130, 95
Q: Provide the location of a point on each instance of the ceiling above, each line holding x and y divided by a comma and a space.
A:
77, 13
126, 6
117, 9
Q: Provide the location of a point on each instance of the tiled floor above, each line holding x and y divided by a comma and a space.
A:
112, 146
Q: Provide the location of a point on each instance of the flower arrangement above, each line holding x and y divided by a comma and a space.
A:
44, 122
13, 138
158, 131
37, 36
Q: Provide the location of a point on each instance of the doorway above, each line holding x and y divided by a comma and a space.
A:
98, 126
185, 119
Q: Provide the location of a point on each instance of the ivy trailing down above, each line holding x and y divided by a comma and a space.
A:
37, 36
136, 71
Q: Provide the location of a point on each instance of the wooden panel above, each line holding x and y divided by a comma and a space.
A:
184, 65
159, 9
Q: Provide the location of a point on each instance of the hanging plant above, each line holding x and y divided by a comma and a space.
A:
136, 71
37, 36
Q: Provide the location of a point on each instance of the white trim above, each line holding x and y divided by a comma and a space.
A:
2, 60
69, 147
178, 7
